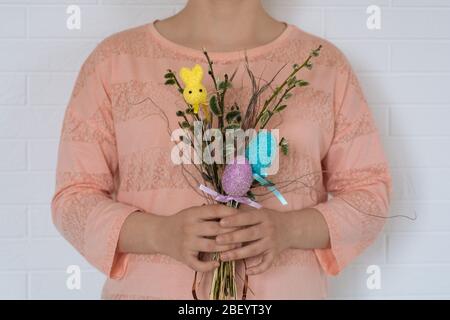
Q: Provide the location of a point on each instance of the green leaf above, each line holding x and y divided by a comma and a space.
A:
284, 146
291, 81
224, 85
287, 95
185, 125
213, 105
180, 113
316, 52
206, 177
233, 116
170, 82
233, 126
251, 195
280, 108
168, 75
265, 118
302, 83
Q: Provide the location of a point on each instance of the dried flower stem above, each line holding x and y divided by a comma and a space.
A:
314, 53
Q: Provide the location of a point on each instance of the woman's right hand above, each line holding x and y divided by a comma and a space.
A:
193, 230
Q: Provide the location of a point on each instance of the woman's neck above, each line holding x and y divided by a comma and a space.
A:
221, 25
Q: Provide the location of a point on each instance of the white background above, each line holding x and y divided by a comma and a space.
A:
405, 72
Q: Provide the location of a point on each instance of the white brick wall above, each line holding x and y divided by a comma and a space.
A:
405, 71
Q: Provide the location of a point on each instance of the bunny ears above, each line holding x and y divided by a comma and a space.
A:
192, 76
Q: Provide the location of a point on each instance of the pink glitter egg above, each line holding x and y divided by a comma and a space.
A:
237, 177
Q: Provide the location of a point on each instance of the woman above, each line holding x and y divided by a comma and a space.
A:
129, 211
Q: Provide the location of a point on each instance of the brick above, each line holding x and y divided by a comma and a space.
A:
420, 3
43, 56
52, 285
406, 89
51, 89
13, 286
430, 217
405, 152
395, 23
39, 254
96, 21
426, 121
421, 184
421, 56
26, 187
34, 122
41, 224
12, 89
13, 23
418, 247
15, 157
13, 221
42, 154
397, 281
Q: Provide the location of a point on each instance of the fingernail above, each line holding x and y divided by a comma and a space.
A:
223, 222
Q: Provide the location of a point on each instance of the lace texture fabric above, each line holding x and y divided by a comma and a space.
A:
151, 169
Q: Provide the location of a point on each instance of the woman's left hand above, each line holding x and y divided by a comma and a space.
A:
267, 232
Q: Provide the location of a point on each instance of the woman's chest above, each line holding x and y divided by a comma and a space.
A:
147, 126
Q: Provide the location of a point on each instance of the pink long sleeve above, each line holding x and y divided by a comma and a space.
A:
357, 176
83, 206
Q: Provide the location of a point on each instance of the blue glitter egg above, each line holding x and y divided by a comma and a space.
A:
261, 151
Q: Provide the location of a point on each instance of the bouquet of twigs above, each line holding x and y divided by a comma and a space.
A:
231, 182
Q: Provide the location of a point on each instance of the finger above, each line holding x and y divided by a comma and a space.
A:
245, 218
199, 265
265, 264
210, 228
250, 250
210, 245
216, 211
241, 235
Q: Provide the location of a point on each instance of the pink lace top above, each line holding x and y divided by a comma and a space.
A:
114, 159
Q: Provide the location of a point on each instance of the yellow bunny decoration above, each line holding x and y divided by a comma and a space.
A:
195, 92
